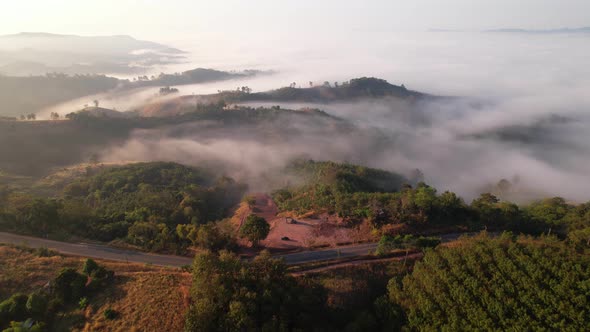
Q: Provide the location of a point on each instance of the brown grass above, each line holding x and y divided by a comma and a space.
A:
144, 301
147, 298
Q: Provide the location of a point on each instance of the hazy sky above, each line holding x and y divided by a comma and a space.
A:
267, 18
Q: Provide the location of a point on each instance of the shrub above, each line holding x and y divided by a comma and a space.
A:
83, 303
89, 266
110, 314
69, 285
37, 305
14, 308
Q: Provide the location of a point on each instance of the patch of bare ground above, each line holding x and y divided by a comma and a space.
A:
294, 233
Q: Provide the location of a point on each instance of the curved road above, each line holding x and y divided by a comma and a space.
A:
110, 253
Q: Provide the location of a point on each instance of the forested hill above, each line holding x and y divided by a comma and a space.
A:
358, 88
23, 95
16, 92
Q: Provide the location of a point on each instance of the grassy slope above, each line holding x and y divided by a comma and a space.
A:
147, 298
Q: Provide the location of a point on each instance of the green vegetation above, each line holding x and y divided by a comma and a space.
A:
68, 289
328, 185
141, 203
229, 294
497, 284
388, 243
357, 193
358, 88
255, 229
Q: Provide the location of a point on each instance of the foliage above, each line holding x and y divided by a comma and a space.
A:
83, 303
69, 286
250, 200
330, 186
37, 305
26, 326
89, 266
13, 309
110, 314
389, 243
142, 203
363, 87
255, 229
231, 295
497, 284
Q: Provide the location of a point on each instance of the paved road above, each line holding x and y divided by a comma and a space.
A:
106, 252
327, 254
96, 251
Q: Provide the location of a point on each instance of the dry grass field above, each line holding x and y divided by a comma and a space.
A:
146, 298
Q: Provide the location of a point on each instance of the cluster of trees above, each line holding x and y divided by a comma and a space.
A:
30, 116
389, 243
37, 310
167, 90
497, 284
194, 76
142, 203
327, 183
363, 87
229, 294
357, 193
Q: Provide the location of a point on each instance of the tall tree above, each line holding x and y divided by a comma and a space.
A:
255, 229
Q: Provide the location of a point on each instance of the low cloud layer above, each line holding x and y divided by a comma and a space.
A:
523, 116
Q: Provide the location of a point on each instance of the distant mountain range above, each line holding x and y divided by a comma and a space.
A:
37, 53
543, 31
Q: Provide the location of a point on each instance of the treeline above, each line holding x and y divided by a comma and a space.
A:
384, 199
194, 76
357, 88
141, 203
69, 289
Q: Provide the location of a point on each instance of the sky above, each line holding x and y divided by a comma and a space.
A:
207, 19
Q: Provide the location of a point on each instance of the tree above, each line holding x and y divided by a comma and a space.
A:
96, 102
234, 295
89, 266
14, 308
255, 229
69, 285
250, 200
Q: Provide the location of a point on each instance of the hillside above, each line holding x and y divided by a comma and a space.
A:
54, 88
357, 88
85, 135
29, 53
51, 89
138, 293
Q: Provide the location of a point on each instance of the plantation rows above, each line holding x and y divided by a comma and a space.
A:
498, 284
